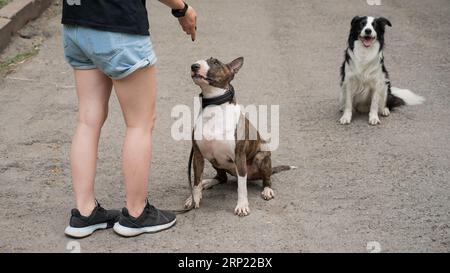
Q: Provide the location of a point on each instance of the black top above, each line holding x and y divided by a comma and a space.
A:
127, 16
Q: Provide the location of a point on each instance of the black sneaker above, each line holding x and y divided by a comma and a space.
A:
150, 221
100, 218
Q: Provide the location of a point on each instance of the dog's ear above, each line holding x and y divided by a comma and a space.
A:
236, 64
355, 20
383, 21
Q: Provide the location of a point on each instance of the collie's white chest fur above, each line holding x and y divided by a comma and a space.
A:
364, 65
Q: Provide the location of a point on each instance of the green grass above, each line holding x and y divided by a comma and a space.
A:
9, 64
4, 2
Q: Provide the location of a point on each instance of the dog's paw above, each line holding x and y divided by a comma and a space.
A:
242, 209
194, 199
197, 198
385, 112
346, 119
374, 120
267, 194
188, 202
209, 183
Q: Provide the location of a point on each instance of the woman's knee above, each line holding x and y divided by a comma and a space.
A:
94, 119
145, 126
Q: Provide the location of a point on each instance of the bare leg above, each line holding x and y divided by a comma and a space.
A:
137, 97
93, 90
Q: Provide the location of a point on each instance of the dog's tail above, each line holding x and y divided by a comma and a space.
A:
283, 168
399, 97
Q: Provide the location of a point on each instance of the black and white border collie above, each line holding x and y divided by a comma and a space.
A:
365, 81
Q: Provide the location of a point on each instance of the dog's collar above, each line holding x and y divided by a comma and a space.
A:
228, 97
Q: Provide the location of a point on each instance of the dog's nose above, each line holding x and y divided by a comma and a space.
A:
195, 67
368, 31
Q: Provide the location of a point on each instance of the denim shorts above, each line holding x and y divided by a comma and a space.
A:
116, 54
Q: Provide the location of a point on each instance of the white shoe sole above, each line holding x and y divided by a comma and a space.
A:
131, 232
83, 232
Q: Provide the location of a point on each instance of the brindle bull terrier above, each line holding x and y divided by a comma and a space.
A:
225, 137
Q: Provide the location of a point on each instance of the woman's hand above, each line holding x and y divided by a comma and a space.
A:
189, 23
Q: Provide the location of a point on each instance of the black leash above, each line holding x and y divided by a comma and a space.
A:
228, 97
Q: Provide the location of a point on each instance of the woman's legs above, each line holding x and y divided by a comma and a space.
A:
137, 97
93, 90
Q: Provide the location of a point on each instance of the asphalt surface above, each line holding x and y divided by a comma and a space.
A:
354, 184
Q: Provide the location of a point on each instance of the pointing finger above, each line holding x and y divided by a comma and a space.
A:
193, 34
194, 30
